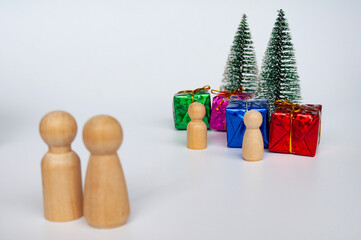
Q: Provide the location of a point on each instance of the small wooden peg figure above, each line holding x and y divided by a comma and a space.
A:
253, 148
106, 203
196, 128
60, 168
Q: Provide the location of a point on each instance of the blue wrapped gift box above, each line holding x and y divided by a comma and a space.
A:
234, 119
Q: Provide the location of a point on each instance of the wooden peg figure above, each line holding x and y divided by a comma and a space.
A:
60, 168
196, 128
106, 203
253, 148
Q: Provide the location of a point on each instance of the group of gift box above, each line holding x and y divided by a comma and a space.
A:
290, 128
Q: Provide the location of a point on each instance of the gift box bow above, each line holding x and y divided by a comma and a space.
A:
192, 92
295, 108
227, 94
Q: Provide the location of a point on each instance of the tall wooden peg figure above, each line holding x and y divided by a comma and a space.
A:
60, 168
196, 128
252, 147
106, 203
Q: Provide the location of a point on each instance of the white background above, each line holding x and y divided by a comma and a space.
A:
127, 59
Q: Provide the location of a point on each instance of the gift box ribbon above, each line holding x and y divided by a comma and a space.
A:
227, 94
295, 108
206, 87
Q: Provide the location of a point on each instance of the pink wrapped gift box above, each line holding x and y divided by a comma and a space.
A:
218, 112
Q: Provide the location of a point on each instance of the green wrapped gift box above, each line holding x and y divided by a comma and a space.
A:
183, 99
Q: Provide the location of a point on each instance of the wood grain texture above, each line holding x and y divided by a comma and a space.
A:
106, 203
60, 168
196, 129
252, 147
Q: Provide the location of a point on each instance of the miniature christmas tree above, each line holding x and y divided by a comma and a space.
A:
279, 78
241, 68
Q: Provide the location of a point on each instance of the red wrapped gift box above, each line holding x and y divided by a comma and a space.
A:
295, 128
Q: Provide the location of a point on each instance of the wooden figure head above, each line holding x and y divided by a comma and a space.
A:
196, 111
102, 135
253, 119
58, 129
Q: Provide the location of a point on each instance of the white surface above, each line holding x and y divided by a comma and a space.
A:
127, 60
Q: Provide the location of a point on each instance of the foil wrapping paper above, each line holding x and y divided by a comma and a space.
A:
218, 113
234, 116
181, 103
295, 132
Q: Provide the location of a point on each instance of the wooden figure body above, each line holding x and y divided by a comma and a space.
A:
106, 203
60, 169
196, 128
253, 149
